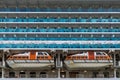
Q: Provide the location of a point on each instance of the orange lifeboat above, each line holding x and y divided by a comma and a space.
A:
30, 59
89, 59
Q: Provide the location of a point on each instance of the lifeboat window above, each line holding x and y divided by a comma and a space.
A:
23, 57
38, 57
100, 53
14, 57
78, 57
42, 57
46, 57
45, 53
19, 57
74, 57
82, 57
40, 53
69, 57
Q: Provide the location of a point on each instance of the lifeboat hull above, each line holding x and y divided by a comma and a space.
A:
74, 64
30, 64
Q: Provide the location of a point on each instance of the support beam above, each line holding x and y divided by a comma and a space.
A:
3, 64
58, 72
114, 64
58, 61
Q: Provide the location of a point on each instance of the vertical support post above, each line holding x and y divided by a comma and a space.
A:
58, 72
3, 65
114, 63
67, 74
58, 61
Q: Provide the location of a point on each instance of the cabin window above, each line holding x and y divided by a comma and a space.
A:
106, 74
0, 74
12, 74
62, 74
73, 74
43, 74
117, 74
22, 74
32, 74
95, 74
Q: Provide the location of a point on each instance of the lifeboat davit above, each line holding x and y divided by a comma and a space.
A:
30, 59
88, 60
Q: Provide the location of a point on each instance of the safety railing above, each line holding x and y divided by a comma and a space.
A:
70, 46
20, 29
59, 20
59, 10
60, 38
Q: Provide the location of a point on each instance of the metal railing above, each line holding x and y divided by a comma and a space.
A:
60, 78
